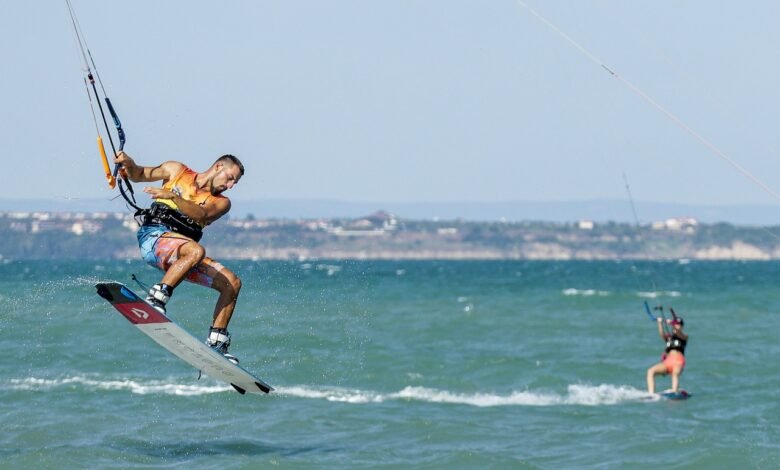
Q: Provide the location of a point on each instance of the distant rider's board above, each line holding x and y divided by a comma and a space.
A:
176, 340
668, 395
679, 395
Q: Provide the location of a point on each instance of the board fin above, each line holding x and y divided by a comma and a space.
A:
239, 389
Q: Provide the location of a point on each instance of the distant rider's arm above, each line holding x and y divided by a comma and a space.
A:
661, 332
211, 210
138, 173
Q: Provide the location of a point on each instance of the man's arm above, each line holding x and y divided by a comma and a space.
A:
137, 173
211, 210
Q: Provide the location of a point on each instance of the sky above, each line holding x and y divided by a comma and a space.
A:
403, 100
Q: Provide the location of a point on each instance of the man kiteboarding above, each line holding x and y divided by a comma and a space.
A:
173, 225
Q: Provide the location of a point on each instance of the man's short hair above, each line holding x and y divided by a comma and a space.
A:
232, 159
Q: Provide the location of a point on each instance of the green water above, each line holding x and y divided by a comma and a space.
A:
397, 364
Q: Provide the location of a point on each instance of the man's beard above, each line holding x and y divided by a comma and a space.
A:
214, 190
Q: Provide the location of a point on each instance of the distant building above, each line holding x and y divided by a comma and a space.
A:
375, 224
380, 219
18, 226
585, 225
37, 226
681, 224
80, 228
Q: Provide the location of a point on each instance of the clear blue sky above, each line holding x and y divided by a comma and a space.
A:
401, 100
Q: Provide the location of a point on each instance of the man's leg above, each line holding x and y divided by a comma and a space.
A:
177, 256
212, 274
228, 285
188, 255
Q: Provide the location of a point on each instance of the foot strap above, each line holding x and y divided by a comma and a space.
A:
218, 336
161, 293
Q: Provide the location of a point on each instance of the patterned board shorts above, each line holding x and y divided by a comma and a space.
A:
160, 248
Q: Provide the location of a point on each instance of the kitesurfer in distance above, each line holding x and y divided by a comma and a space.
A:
673, 359
172, 227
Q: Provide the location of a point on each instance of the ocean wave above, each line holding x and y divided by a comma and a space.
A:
578, 394
585, 292
134, 386
657, 294
330, 269
335, 394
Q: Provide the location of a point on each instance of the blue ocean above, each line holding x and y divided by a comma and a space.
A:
397, 364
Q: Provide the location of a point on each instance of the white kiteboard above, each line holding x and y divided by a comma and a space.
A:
175, 339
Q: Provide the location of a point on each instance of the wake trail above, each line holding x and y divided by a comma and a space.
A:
576, 394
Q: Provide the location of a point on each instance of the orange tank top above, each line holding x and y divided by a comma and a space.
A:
184, 186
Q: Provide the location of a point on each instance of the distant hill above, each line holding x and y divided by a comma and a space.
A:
600, 210
381, 235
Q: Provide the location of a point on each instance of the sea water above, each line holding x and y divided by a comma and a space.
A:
432, 364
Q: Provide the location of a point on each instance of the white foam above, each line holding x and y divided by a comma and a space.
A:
654, 295
478, 399
603, 394
578, 394
335, 394
330, 269
587, 395
585, 292
133, 386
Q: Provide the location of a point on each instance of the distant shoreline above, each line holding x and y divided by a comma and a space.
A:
383, 236
598, 210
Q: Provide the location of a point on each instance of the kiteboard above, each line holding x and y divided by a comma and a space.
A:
178, 341
678, 395
668, 395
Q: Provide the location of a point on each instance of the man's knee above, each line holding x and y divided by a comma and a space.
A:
200, 252
229, 283
194, 251
235, 282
